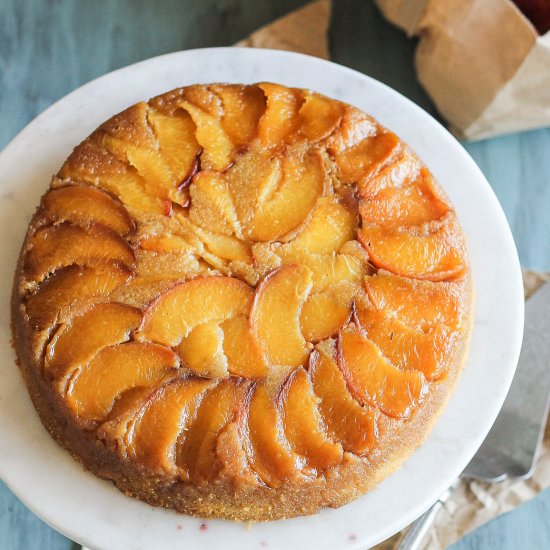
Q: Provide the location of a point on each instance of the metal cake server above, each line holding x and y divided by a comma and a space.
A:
510, 449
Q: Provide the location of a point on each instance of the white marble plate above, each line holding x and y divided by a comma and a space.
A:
92, 511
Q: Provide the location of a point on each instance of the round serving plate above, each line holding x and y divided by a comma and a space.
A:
94, 512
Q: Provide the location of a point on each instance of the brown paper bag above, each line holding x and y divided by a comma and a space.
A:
481, 61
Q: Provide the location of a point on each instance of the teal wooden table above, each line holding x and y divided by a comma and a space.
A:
50, 47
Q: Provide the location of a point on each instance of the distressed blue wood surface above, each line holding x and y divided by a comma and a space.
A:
48, 48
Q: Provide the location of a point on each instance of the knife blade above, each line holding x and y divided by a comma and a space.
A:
511, 447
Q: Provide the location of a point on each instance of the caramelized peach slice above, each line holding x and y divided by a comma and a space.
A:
71, 285
267, 450
78, 340
226, 246
374, 380
92, 163
178, 146
326, 270
318, 117
325, 313
302, 183
441, 301
204, 98
354, 127
152, 439
275, 315
408, 348
196, 449
82, 205
402, 169
366, 157
176, 312
158, 179
413, 204
91, 392
280, 119
166, 243
132, 141
303, 424
354, 426
218, 149
245, 358
212, 207
252, 180
201, 351
434, 251
243, 106
126, 410
62, 245
330, 225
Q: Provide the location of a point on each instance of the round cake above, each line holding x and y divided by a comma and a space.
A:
242, 301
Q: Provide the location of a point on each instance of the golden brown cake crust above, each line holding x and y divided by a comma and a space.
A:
230, 480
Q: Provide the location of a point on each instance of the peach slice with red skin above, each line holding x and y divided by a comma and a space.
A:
275, 315
434, 251
196, 448
175, 313
91, 392
412, 204
442, 301
374, 380
356, 427
303, 425
267, 449
218, 149
71, 285
82, 205
177, 143
151, 438
62, 245
244, 356
157, 178
76, 341
201, 351
409, 348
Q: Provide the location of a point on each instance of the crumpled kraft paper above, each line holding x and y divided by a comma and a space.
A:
481, 61
472, 503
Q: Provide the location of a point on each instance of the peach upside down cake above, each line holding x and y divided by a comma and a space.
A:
245, 302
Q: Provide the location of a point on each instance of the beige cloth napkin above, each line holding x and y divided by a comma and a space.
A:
472, 503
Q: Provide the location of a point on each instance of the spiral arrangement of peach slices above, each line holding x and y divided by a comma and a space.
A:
251, 267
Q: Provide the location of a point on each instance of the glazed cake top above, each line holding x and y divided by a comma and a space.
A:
255, 264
